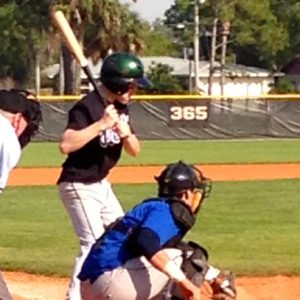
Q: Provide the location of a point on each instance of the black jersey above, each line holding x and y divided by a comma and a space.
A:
93, 161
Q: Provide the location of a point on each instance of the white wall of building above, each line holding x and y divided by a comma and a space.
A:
239, 86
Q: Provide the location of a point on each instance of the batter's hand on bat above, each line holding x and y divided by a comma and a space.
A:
110, 117
123, 129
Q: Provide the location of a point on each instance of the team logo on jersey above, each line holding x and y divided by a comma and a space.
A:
110, 137
124, 118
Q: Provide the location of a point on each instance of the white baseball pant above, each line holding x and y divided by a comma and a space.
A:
91, 207
4, 293
138, 279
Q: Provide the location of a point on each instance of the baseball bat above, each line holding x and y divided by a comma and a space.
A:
74, 47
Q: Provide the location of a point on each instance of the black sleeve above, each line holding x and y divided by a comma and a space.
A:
147, 242
78, 117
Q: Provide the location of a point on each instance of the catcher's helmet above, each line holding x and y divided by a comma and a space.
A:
178, 177
121, 69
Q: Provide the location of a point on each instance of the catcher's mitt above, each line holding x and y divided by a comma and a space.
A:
223, 287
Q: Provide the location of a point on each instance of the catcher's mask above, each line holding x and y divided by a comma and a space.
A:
179, 177
120, 71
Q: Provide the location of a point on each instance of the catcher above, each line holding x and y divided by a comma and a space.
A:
141, 255
20, 116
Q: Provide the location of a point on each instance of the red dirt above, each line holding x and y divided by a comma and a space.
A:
32, 287
135, 174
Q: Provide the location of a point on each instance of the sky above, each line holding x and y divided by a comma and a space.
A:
149, 10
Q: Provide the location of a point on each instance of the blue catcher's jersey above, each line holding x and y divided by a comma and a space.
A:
146, 229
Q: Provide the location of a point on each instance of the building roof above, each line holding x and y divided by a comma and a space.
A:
181, 67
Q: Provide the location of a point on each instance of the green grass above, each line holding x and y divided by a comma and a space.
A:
249, 227
192, 151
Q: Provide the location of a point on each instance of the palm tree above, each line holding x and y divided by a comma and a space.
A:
100, 26
27, 23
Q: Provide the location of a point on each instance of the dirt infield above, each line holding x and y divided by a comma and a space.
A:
32, 287
136, 174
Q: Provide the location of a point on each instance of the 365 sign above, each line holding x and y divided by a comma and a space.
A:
183, 112
188, 113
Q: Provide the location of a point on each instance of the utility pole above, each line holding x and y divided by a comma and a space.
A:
196, 45
225, 33
37, 71
212, 56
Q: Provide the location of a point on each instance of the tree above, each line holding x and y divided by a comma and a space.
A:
179, 19
258, 33
288, 14
258, 36
158, 41
284, 85
164, 82
100, 26
23, 26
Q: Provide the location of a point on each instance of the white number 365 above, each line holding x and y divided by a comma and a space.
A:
188, 113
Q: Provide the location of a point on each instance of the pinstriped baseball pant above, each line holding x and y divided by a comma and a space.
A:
4, 293
91, 207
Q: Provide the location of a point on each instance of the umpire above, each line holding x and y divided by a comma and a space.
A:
138, 256
20, 115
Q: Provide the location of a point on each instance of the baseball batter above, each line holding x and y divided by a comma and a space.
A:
137, 257
97, 130
19, 120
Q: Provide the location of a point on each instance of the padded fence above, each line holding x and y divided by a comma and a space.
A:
192, 117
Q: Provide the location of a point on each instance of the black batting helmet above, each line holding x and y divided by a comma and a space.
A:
178, 177
121, 69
